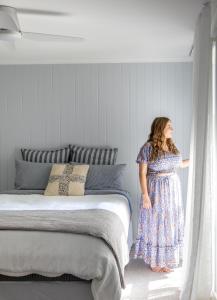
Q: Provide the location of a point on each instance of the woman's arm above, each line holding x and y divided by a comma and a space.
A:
185, 163
142, 178
143, 185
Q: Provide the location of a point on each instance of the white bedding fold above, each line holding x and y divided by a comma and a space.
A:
115, 203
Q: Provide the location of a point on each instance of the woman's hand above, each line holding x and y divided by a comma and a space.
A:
185, 163
146, 201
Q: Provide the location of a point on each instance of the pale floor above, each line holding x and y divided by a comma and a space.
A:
142, 283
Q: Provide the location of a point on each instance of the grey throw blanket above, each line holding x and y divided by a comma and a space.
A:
98, 223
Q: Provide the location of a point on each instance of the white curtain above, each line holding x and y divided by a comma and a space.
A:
199, 268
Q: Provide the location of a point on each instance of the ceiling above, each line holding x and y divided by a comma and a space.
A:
114, 31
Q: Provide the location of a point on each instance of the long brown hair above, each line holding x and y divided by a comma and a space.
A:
156, 138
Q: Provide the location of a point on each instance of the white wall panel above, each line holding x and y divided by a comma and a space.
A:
92, 104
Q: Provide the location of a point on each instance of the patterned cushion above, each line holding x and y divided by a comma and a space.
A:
67, 180
93, 155
46, 156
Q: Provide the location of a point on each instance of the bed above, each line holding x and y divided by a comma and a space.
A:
64, 247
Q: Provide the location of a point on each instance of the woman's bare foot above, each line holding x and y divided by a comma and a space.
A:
157, 269
167, 270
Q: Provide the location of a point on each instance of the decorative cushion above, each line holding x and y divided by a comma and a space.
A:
93, 155
67, 180
46, 156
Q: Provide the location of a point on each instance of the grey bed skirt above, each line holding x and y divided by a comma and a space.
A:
53, 290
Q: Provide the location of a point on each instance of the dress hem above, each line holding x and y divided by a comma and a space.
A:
147, 253
169, 264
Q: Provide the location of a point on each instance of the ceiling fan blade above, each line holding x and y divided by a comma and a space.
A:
44, 37
8, 45
41, 12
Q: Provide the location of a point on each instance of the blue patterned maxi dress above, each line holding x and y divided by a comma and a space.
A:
160, 230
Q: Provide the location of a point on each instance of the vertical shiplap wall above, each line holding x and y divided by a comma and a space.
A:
46, 106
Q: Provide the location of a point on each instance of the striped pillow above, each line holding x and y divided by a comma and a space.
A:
93, 155
46, 156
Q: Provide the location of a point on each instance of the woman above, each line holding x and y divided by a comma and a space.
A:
161, 222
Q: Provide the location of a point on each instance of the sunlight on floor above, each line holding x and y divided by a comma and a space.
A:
142, 283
